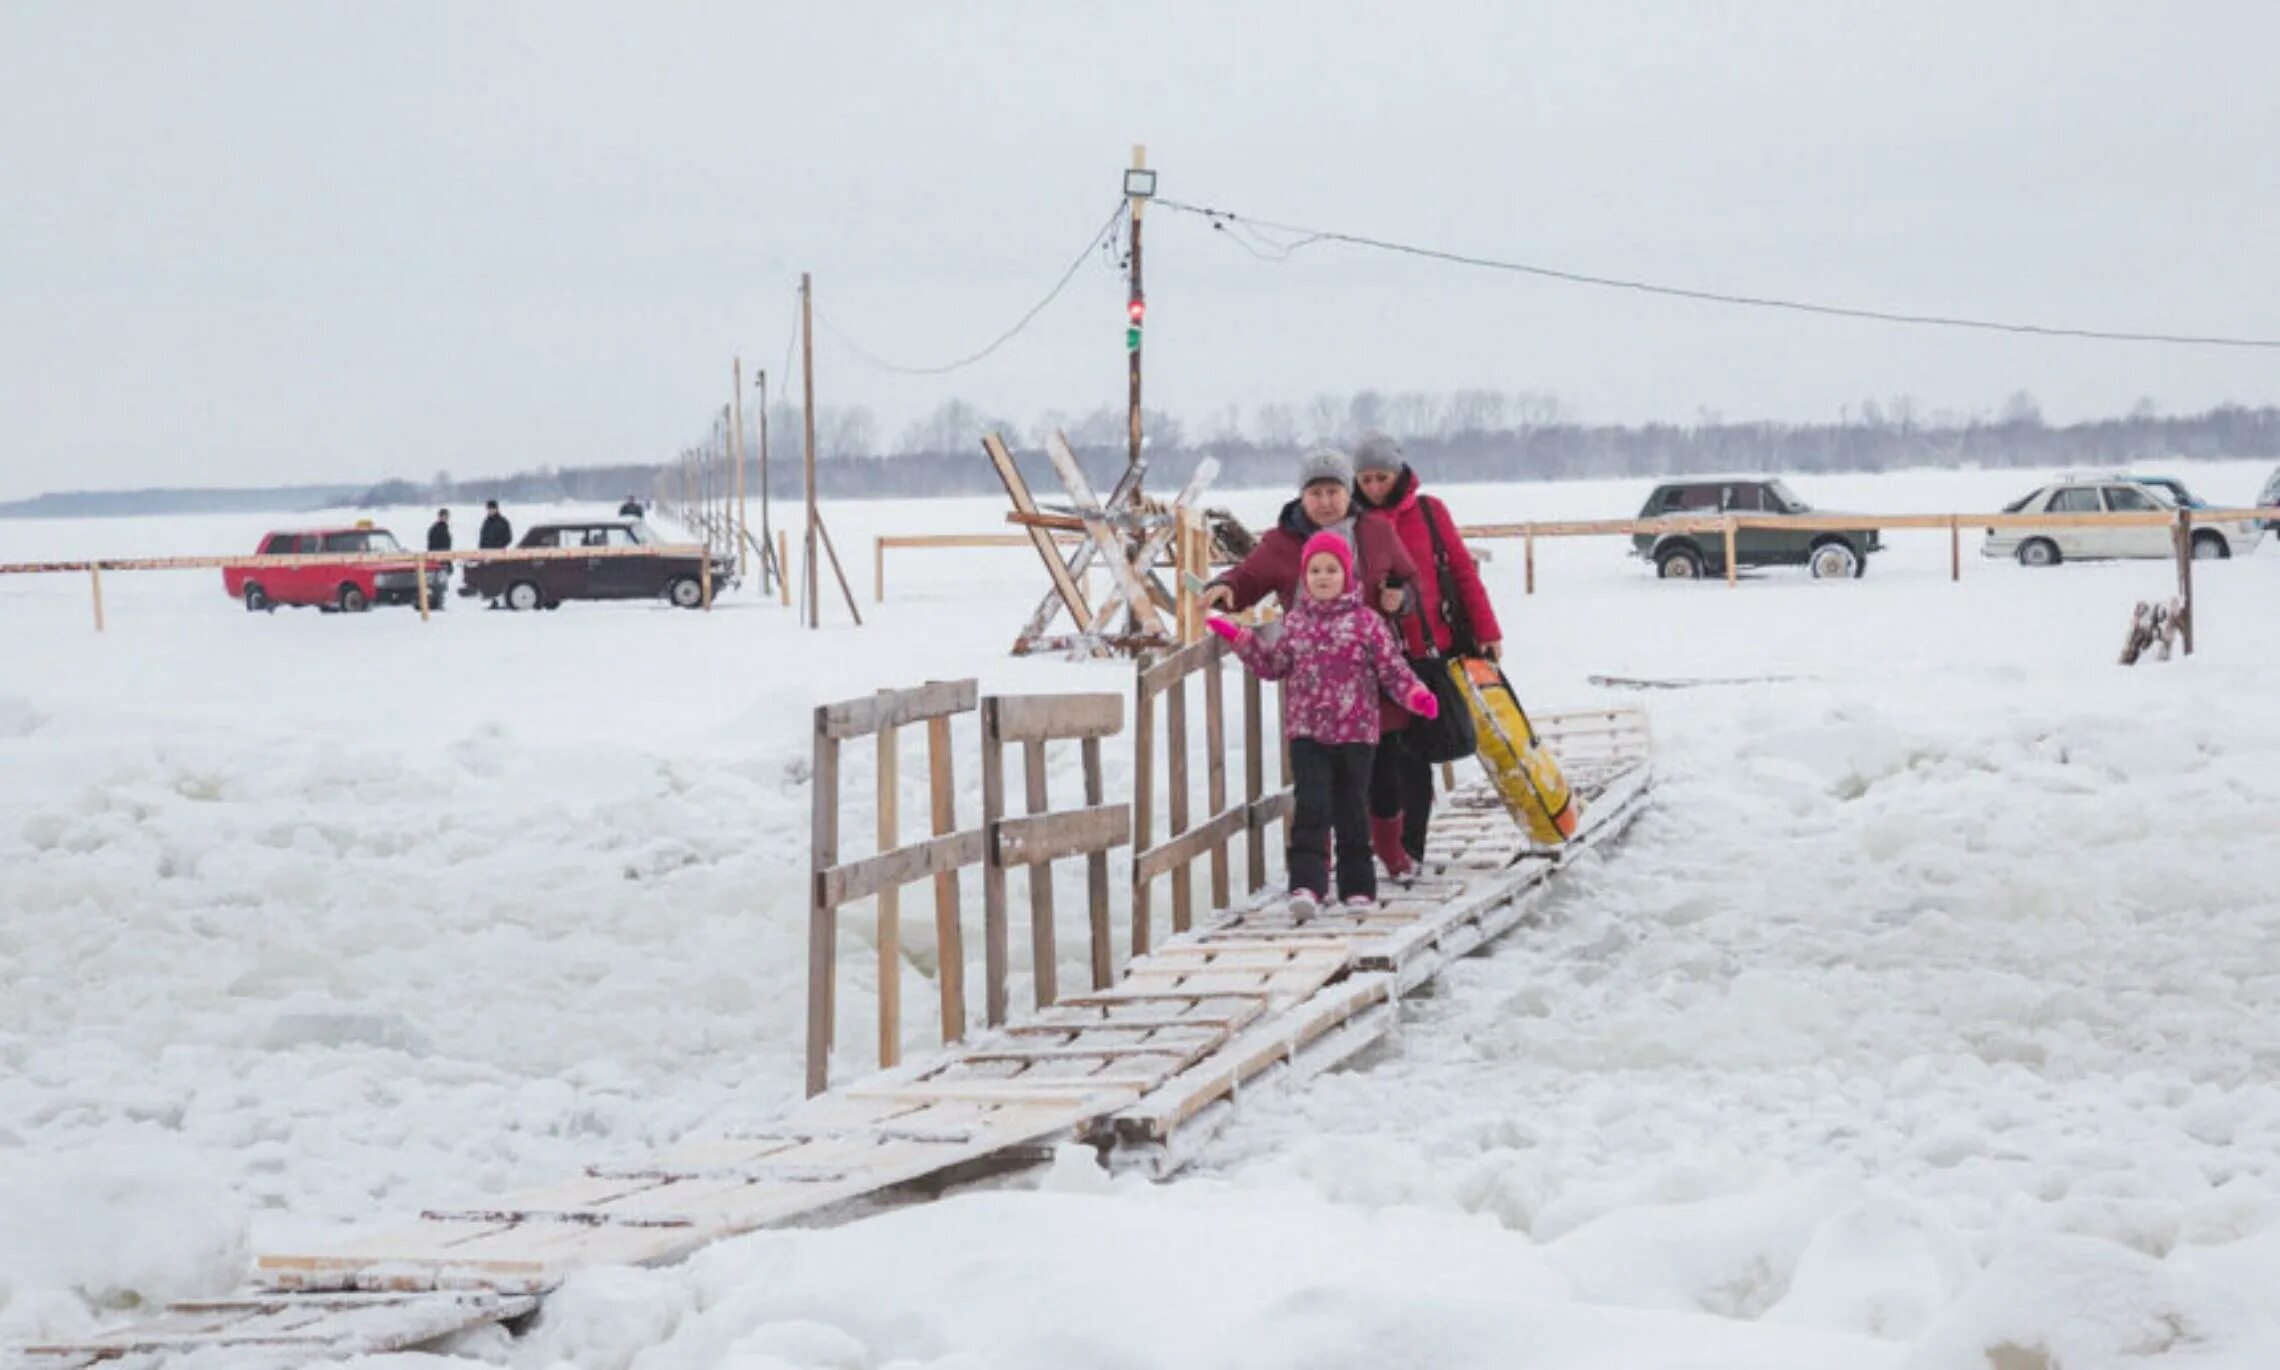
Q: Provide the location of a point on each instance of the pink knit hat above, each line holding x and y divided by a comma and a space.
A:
1335, 545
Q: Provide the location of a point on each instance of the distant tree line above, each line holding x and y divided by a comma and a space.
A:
1467, 435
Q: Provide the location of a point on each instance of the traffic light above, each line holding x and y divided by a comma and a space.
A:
1136, 312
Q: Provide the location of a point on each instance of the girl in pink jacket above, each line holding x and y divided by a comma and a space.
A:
1335, 657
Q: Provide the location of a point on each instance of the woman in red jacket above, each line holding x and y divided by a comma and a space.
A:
1401, 781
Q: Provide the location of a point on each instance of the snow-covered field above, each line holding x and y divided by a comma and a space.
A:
1933, 1006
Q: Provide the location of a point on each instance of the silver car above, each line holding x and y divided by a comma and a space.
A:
2109, 495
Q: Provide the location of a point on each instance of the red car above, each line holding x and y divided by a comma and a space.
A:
347, 587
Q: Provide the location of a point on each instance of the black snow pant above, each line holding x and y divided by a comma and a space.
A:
1401, 786
1332, 782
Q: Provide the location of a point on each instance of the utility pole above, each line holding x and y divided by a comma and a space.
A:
1136, 305
736, 399
807, 427
767, 539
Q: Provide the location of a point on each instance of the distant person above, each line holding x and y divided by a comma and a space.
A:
631, 509
497, 532
439, 532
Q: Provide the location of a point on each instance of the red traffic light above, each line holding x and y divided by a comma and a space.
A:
1138, 309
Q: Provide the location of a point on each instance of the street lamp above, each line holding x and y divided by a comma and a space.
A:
1140, 184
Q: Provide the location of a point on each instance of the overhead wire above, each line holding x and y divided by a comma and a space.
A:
1231, 224
1100, 236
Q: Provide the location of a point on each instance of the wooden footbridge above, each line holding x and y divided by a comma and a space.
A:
1145, 1064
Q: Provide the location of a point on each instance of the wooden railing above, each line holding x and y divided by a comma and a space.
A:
1031, 842
1165, 678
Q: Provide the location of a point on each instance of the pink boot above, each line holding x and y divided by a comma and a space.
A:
1385, 840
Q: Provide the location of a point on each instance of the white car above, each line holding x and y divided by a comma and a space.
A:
2108, 495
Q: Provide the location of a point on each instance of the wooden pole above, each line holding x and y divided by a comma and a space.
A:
1215, 773
704, 576
890, 898
1143, 801
1955, 547
1732, 571
1044, 952
1176, 781
1137, 297
783, 559
766, 541
736, 437
95, 579
419, 574
1530, 557
808, 567
1254, 781
844, 589
994, 941
2184, 539
949, 935
1096, 877
878, 570
823, 919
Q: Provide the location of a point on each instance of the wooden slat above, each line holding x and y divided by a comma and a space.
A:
1103, 950
894, 708
1215, 771
1143, 808
1051, 836
1064, 584
1137, 601
1177, 782
1038, 718
889, 939
823, 911
996, 944
918, 861
1044, 952
1165, 671
1254, 781
1181, 850
949, 932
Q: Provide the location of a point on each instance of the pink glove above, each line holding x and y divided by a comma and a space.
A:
1228, 628
1421, 702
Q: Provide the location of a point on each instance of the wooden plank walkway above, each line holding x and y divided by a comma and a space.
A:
1148, 1069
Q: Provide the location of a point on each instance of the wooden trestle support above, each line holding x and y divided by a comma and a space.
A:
1146, 1069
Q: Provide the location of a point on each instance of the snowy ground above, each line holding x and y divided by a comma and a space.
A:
1932, 1005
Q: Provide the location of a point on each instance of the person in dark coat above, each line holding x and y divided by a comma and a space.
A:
631, 509
497, 532
1401, 783
439, 532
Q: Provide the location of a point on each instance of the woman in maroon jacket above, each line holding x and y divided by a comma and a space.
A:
1382, 566
1401, 781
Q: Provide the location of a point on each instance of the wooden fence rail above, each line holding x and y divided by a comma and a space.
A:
1165, 677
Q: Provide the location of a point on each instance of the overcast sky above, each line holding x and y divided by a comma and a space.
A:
252, 243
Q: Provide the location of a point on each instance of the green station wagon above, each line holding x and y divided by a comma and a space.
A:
1679, 555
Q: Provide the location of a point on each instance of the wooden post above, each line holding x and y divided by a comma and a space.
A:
1529, 556
1044, 952
783, 559
1176, 781
704, 577
949, 935
1955, 547
1096, 877
95, 579
823, 919
736, 447
1254, 778
1215, 772
1143, 801
1732, 571
808, 567
845, 590
890, 898
765, 539
994, 938
2184, 539
1137, 297
878, 570
419, 574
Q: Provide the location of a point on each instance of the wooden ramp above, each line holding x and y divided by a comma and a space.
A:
1147, 1069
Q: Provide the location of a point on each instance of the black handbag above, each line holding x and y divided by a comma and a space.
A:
1448, 735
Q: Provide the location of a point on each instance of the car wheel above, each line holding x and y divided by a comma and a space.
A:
523, 595
256, 599
1834, 560
1678, 563
2209, 546
352, 600
2038, 552
686, 593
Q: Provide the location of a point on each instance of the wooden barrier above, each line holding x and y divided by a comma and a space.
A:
1165, 677
1032, 841
1035, 841
939, 542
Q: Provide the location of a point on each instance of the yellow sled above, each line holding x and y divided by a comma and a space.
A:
1522, 768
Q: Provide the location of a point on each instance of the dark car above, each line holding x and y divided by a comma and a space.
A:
543, 583
1681, 555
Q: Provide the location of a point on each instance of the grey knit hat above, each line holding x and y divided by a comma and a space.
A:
1377, 452
1324, 463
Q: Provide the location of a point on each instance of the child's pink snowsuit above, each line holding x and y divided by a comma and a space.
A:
1334, 657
